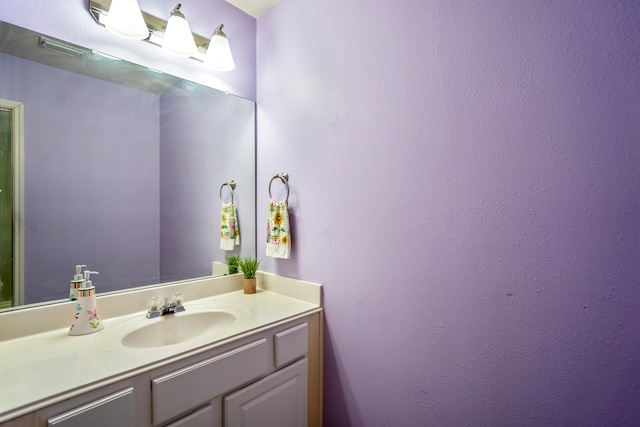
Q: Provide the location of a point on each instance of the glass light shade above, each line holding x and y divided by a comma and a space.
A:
178, 38
219, 53
125, 20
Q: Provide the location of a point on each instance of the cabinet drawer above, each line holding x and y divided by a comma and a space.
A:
291, 344
113, 410
190, 387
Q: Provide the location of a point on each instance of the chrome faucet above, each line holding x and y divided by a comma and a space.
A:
156, 310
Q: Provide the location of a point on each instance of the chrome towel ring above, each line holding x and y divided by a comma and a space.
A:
231, 185
284, 177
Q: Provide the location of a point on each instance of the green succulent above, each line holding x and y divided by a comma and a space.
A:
249, 267
233, 262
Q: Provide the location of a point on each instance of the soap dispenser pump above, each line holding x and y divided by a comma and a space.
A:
76, 283
86, 320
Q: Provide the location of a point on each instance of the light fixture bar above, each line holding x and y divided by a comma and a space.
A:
61, 47
100, 9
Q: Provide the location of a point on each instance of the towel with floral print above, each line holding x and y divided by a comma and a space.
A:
278, 231
229, 229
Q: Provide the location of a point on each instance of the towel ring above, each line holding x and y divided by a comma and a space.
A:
231, 185
284, 177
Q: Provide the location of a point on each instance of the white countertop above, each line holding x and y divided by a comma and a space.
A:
40, 369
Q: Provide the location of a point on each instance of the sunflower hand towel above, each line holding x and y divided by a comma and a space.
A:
229, 230
278, 231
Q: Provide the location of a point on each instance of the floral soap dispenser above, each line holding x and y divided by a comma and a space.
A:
86, 319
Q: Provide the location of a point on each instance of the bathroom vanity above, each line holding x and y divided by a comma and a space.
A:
261, 368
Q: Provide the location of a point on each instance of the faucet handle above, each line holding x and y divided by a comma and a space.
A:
153, 303
177, 298
153, 307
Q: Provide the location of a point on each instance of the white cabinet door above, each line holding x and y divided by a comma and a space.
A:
279, 399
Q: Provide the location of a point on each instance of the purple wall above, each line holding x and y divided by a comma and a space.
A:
206, 138
465, 181
79, 207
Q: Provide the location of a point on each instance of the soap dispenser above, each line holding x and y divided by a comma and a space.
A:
76, 283
86, 320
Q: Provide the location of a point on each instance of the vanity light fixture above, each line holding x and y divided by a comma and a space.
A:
178, 38
215, 52
219, 53
125, 20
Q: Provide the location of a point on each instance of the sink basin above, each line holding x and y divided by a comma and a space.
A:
201, 323
178, 328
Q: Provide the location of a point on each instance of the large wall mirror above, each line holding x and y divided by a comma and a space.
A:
121, 170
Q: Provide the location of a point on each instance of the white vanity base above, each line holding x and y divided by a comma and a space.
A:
267, 364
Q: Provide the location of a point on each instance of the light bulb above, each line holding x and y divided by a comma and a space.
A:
219, 53
125, 20
178, 38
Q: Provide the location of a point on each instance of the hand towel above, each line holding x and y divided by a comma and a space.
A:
229, 229
278, 231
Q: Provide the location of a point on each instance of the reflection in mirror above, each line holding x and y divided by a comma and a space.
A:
122, 170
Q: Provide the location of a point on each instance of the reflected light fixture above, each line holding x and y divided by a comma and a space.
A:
125, 20
178, 38
62, 47
219, 53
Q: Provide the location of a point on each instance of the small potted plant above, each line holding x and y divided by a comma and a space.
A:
233, 262
249, 267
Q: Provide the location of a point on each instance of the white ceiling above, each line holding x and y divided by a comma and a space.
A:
254, 8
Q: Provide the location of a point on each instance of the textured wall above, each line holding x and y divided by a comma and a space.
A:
465, 181
70, 20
